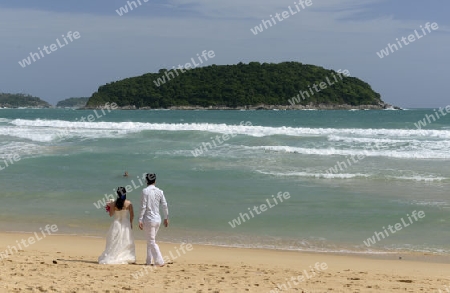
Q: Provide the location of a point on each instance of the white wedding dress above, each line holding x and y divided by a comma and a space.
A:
120, 247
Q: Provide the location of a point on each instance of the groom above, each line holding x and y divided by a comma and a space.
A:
150, 220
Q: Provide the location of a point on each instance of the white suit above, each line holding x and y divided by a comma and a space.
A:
152, 198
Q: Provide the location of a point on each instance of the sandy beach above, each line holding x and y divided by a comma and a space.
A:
69, 264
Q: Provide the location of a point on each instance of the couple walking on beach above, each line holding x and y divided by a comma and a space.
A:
120, 247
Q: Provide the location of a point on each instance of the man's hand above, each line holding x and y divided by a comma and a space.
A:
141, 225
166, 223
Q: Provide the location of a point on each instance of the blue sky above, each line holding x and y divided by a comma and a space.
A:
335, 34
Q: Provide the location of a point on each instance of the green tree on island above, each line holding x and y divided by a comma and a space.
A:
235, 86
21, 100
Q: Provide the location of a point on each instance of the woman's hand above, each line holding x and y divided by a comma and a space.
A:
112, 207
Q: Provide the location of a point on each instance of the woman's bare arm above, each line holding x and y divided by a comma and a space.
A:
131, 215
112, 207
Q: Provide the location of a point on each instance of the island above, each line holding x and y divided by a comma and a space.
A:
73, 103
286, 85
8, 100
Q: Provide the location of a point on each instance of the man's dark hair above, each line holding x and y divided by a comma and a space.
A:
151, 178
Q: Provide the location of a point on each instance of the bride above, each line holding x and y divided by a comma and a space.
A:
120, 247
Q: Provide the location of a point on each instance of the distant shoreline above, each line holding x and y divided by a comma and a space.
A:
240, 108
260, 107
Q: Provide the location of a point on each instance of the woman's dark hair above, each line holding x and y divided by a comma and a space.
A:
151, 178
121, 197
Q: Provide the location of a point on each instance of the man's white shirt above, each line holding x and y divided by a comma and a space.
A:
152, 199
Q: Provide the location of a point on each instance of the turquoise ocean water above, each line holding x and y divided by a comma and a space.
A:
66, 166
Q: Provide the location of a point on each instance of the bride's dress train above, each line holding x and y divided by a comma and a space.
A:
120, 247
